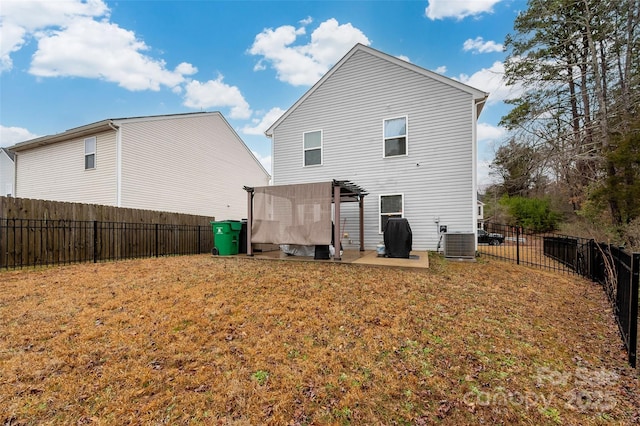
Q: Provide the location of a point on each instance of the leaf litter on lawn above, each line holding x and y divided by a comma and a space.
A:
204, 340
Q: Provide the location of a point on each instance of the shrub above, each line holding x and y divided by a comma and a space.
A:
534, 214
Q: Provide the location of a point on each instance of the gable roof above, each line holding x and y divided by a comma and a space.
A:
88, 129
114, 124
9, 154
478, 96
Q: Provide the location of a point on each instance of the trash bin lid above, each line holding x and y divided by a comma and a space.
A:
220, 227
236, 225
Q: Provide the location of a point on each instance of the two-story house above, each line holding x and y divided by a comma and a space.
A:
186, 163
405, 134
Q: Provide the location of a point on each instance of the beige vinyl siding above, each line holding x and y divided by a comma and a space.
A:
191, 164
56, 172
436, 177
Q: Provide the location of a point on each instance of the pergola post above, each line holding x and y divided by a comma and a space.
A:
361, 205
249, 221
336, 228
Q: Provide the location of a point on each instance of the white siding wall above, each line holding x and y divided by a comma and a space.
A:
7, 172
56, 172
191, 164
436, 177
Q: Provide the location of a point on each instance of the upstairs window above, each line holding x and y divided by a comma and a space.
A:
390, 206
395, 137
312, 148
90, 153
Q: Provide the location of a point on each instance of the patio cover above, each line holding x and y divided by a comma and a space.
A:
292, 214
299, 214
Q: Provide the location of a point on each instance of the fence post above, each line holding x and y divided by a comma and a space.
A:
591, 260
157, 245
95, 241
2, 223
518, 245
633, 308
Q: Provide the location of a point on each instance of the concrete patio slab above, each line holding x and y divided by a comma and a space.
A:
418, 259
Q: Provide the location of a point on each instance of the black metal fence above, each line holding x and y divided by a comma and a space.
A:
28, 242
571, 252
614, 268
617, 271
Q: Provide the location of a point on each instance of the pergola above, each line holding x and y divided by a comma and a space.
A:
300, 213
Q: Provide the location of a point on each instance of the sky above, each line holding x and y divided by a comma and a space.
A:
67, 63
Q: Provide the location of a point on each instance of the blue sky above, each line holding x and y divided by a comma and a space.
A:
65, 63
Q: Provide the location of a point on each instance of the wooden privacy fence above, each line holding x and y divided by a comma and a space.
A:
38, 232
25, 208
31, 242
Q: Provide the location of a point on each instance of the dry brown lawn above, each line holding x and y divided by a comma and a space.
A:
204, 340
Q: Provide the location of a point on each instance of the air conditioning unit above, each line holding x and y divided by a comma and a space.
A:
460, 245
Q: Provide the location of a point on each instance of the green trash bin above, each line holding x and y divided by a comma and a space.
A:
226, 237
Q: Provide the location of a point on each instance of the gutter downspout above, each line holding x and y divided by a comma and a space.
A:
476, 109
270, 136
15, 175
118, 163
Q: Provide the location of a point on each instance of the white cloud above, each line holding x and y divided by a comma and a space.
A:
20, 19
75, 39
305, 64
12, 37
478, 45
32, 15
458, 9
308, 20
487, 132
186, 69
101, 50
492, 80
12, 135
261, 125
265, 160
404, 58
259, 66
441, 69
216, 93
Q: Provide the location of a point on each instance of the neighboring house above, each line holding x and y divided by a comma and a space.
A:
7, 172
404, 134
187, 163
480, 215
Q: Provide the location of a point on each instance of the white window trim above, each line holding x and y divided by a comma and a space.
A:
380, 208
406, 137
304, 150
94, 153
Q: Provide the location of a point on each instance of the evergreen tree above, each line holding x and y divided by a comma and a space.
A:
578, 63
